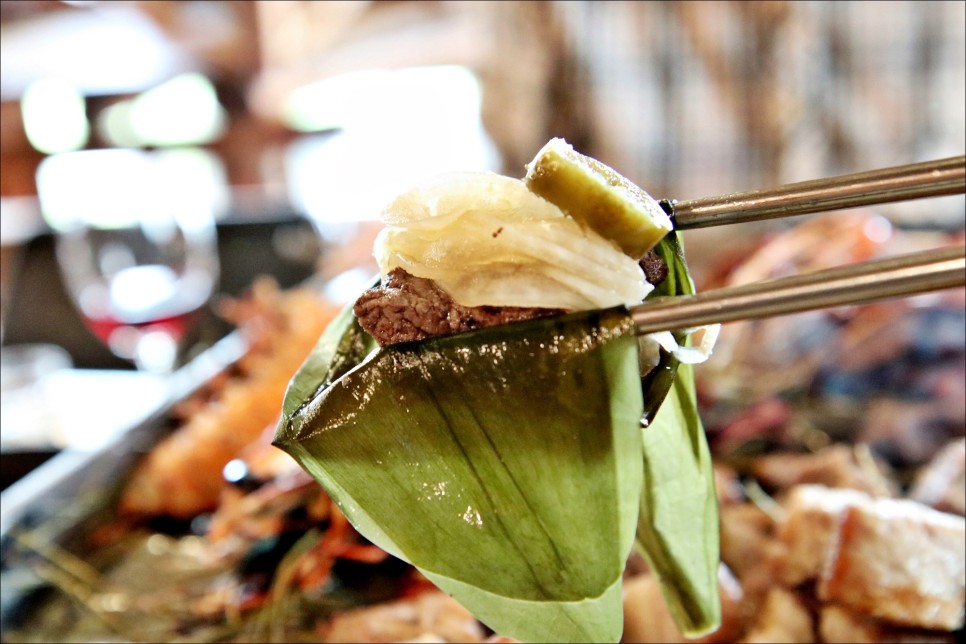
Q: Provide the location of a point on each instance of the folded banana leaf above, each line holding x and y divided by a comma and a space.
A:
506, 464
677, 529
657, 382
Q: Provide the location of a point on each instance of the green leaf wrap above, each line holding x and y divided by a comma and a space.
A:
342, 346
678, 522
657, 382
677, 528
504, 463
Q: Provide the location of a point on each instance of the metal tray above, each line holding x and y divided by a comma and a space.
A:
62, 500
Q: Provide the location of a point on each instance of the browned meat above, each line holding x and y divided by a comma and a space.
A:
405, 308
747, 538
838, 624
897, 560
942, 483
838, 466
900, 561
783, 617
181, 475
810, 528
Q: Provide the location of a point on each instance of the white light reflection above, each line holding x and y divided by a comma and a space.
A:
54, 116
182, 111
472, 517
395, 128
878, 229
101, 188
116, 49
432, 491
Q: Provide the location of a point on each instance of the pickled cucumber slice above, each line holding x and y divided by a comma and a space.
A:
598, 197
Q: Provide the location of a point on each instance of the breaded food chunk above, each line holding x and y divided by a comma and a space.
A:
900, 561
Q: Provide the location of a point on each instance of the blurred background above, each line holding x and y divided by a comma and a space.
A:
170, 171
287, 123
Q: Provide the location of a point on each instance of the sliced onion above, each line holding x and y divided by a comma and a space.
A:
487, 240
703, 340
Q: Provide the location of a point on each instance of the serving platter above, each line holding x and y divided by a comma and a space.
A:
64, 499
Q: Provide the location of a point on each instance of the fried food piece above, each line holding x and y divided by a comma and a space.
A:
810, 528
783, 618
901, 561
838, 466
897, 560
942, 483
182, 475
647, 619
747, 537
838, 624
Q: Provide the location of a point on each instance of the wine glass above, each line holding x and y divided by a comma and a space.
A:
136, 245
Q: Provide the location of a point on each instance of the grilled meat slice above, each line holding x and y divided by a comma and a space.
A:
406, 308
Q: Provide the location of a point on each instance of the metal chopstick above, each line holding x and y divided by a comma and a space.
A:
900, 183
859, 283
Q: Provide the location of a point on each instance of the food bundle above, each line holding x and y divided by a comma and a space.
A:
483, 412
485, 450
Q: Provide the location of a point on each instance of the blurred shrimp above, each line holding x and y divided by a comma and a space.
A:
182, 475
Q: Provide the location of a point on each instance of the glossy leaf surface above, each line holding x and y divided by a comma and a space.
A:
504, 463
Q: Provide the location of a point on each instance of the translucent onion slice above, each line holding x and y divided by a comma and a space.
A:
703, 339
487, 240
